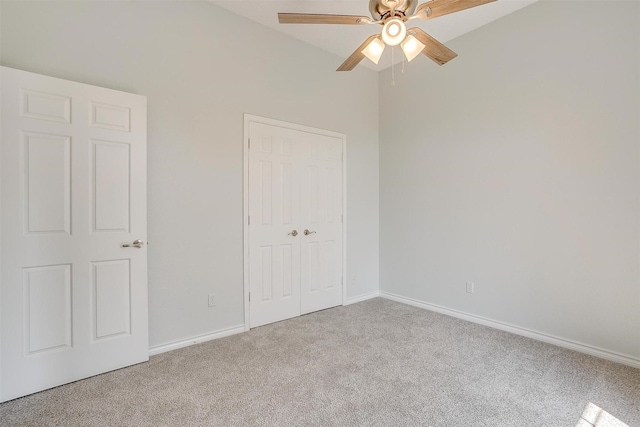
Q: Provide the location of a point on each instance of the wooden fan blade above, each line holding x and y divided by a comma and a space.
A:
439, 53
445, 7
310, 18
357, 56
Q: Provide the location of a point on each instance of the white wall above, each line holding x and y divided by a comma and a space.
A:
516, 166
201, 69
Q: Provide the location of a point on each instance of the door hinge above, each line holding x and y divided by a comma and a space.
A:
249, 144
249, 296
342, 218
249, 220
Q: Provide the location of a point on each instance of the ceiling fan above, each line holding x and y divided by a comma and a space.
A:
393, 16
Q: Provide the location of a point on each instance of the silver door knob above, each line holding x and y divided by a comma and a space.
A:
294, 233
307, 232
136, 244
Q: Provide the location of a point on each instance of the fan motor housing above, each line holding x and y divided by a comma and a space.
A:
380, 8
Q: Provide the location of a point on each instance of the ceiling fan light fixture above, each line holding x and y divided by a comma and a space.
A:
374, 50
411, 47
392, 15
394, 32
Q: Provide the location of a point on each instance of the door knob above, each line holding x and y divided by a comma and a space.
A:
307, 232
294, 233
136, 244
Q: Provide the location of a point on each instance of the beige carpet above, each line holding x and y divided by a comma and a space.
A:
376, 363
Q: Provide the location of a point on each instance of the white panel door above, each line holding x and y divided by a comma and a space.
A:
73, 300
295, 231
274, 239
321, 219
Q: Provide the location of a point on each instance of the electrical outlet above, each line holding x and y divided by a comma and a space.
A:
354, 280
212, 300
470, 287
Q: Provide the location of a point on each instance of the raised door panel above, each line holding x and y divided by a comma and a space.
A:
266, 193
111, 298
265, 275
47, 308
46, 161
45, 106
110, 117
111, 186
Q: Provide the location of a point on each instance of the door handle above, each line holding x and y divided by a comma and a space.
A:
294, 233
136, 244
307, 232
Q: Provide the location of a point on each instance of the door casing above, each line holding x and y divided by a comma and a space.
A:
249, 118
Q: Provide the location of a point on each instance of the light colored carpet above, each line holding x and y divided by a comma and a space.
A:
376, 363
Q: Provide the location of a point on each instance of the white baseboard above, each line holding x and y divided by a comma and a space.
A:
560, 342
196, 340
363, 297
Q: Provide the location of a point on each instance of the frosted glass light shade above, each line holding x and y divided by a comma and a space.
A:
393, 32
374, 50
411, 47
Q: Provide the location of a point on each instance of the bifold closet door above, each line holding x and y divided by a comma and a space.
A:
295, 222
74, 301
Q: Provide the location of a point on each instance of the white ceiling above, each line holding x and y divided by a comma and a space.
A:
342, 40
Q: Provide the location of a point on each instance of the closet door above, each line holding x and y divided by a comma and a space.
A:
321, 220
295, 222
274, 229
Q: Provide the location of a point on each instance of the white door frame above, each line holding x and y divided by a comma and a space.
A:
249, 118
0, 239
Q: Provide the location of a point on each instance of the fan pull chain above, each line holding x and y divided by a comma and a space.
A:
402, 64
393, 70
